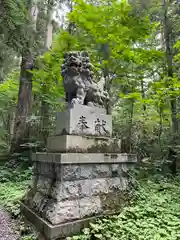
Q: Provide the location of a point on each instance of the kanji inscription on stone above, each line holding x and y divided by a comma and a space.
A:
100, 127
82, 124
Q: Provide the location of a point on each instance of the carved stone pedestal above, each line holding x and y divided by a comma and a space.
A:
84, 120
83, 144
77, 180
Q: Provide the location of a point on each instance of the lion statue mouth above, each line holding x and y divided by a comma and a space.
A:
78, 81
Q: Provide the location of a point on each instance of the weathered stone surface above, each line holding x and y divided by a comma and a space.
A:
99, 186
86, 171
70, 190
28, 197
124, 183
124, 170
85, 187
115, 167
38, 202
70, 172
101, 170
62, 211
90, 206
75, 143
114, 184
44, 185
77, 73
45, 169
79, 158
84, 120
65, 190
115, 170
53, 232
78, 189
83, 171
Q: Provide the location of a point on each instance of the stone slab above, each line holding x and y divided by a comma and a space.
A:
75, 143
74, 172
61, 211
92, 108
78, 158
84, 120
73, 190
53, 232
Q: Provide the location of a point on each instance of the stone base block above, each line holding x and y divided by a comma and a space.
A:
85, 158
51, 232
74, 143
77, 186
69, 187
84, 120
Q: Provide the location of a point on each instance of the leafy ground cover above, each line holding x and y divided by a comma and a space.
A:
154, 213
13, 184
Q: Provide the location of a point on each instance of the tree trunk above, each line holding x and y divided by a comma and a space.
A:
105, 70
143, 95
160, 128
169, 61
21, 132
1, 74
44, 104
129, 138
44, 122
21, 129
10, 124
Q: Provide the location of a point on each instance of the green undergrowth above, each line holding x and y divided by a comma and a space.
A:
10, 194
154, 215
13, 185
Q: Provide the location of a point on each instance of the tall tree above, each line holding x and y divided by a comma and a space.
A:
21, 131
170, 74
47, 44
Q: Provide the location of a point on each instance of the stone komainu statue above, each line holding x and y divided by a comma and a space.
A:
78, 81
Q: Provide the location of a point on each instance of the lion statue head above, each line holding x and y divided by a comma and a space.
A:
78, 81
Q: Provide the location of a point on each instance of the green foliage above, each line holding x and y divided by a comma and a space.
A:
8, 91
8, 99
117, 33
31, 236
11, 194
13, 22
16, 175
12, 187
113, 35
153, 215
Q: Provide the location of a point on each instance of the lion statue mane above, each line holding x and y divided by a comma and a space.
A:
78, 81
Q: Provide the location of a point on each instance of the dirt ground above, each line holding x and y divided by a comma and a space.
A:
7, 226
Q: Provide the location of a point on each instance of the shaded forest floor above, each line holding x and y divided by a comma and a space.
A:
153, 214
13, 185
7, 226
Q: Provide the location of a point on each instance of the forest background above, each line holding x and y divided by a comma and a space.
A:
136, 47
